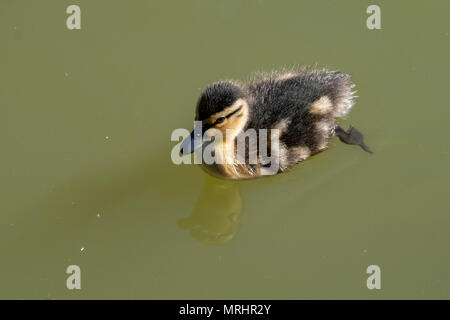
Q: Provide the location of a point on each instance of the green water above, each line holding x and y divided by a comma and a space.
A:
86, 176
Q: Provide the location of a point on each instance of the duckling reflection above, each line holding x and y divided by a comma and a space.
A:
216, 214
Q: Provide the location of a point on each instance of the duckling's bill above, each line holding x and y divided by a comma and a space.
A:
195, 140
190, 144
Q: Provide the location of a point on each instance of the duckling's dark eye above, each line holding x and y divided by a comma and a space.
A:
220, 120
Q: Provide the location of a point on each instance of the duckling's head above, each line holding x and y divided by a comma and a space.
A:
222, 106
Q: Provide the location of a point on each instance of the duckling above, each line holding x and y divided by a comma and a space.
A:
302, 105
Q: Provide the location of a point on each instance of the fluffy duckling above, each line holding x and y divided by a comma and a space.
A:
302, 105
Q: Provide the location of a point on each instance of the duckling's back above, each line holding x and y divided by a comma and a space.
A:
303, 105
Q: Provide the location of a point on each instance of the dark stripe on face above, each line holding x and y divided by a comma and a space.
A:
229, 115
208, 125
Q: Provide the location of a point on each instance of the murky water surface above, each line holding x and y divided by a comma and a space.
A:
86, 176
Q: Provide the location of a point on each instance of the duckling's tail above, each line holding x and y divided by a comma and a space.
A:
351, 136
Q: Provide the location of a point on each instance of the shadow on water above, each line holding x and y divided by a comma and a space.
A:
216, 214
142, 193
